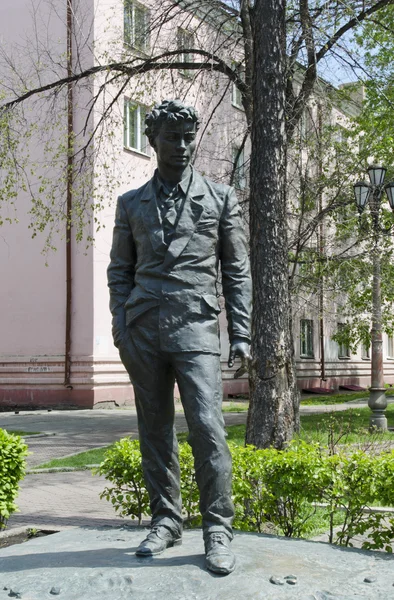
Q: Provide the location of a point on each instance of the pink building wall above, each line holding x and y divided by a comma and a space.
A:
33, 299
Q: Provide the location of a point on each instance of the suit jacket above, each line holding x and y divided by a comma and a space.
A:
181, 280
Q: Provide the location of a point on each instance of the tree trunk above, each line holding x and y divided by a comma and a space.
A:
274, 401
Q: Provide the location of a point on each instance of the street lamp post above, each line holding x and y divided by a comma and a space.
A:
372, 194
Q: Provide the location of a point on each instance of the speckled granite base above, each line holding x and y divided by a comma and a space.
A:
99, 564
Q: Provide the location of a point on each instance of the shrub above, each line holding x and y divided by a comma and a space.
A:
122, 467
250, 494
363, 480
278, 487
13, 452
351, 488
189, 488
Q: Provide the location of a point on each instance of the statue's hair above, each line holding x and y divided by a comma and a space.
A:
167, 111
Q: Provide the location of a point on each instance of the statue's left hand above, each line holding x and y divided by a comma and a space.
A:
241, 349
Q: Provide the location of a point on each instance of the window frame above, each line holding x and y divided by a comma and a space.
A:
346, 355
240, 177
236, 96
142, 142
307, 339
390, 347
307, 126
130, 30
185, 57
365, 352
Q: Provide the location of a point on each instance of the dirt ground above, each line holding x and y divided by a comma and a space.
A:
21, 537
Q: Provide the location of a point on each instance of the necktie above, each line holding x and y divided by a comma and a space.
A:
170, 213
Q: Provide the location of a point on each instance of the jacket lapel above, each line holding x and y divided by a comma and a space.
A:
151, 218
190, 216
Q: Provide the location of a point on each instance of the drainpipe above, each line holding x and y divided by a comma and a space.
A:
321, 248
69, 197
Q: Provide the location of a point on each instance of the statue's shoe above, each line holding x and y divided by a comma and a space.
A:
219, 558
158, 539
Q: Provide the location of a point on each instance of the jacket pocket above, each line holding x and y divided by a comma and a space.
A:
209, 301
207, 226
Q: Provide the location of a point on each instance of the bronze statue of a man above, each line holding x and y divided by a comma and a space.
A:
170, 237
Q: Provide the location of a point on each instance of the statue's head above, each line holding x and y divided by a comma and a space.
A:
171, 128
169, 111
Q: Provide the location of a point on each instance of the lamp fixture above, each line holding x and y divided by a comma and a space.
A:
376, 174
390, 194
362, 193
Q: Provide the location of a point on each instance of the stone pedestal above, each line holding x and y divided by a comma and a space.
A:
99, 564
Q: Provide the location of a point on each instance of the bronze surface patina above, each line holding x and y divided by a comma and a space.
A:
171, 237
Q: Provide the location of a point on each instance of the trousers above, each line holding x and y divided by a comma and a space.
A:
153, 373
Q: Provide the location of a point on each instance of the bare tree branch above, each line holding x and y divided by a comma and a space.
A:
349, 25
213, 63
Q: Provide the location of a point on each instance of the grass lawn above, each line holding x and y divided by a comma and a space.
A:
340, 398
336, 398
351, 425
235, 406
22, 433
78, 461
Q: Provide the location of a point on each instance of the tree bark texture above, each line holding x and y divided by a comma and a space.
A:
274, 400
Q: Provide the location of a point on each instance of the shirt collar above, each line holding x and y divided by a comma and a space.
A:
183, 185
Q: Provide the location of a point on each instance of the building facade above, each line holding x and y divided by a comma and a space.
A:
56, 347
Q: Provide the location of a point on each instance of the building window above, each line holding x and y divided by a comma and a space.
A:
134, 127
136, 25
343, 349
365, 352
236, 96
239, 180
307, 126
390, 346
306, 338
185, 41
339, 134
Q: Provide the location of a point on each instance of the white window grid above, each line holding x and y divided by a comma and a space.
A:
236, 96
134, 127
343, 349
240, 181
390, 346
306, 338
365, 352
136, 25
185, 39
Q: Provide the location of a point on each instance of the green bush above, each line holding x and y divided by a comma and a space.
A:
122, 467
13, 452
284, 489
352, 488
357, 482
250, 494
189, 488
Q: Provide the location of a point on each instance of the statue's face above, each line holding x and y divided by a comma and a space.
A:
175, 144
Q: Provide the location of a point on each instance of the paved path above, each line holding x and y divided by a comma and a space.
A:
61, 500
55, 501
58, 500
68, 432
